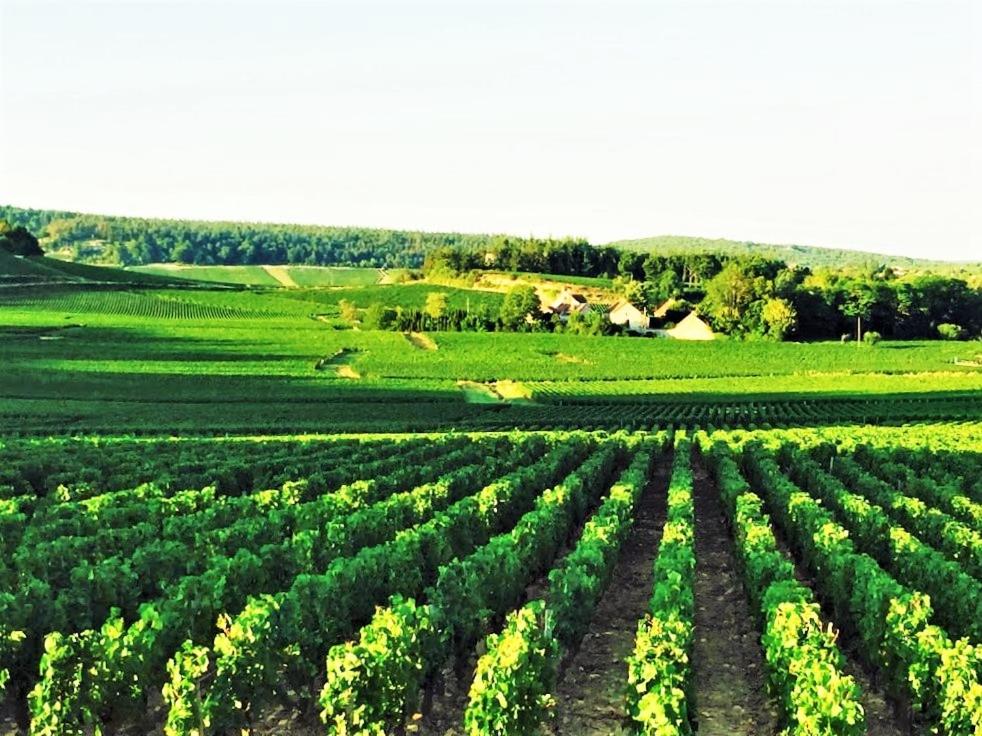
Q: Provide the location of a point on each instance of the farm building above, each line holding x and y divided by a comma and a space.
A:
567, 303
691, 328
625, 313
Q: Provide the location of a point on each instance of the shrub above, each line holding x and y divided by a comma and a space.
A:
872, 337
949, 331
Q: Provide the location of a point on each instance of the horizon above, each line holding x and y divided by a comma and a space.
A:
724, 120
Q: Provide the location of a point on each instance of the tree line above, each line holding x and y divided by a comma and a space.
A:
136, 241
520, 311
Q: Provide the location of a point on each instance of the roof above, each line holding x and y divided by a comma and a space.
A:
625, 304
567, 308
692, 328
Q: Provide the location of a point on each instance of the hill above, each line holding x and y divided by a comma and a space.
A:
40, 270
138, 241
134, 241
797, 255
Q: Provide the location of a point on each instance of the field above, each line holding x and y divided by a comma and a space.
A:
333, 564
301, 276
224, 511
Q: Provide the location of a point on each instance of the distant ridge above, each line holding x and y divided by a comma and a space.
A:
93, 237
799, 255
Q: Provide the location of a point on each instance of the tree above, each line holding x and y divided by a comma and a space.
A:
436, 304
18, 240
779, 317
858, 301
378, 317
349, 312
728, 295
520, 303
665, 285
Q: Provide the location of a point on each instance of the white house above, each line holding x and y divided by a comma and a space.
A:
625, 313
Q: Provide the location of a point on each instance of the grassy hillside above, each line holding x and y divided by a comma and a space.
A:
803, 255
289, 276
15, 270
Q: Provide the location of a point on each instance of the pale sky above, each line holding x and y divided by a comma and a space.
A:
851, 124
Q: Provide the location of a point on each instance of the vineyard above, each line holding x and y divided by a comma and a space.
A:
464, 583
151, 304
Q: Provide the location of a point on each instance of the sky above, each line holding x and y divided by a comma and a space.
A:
848, 124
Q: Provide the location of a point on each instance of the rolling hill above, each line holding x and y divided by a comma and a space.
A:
110, 238
799, 255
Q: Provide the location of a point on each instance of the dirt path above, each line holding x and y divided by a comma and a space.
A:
590, 694
281, 274
729, 670
420, 341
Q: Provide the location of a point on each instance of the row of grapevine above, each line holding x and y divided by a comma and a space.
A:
805, 666
957, 541
918, 660
164, 573
200, 525
59, 470
278, 642
125, 303
510, 692
722, 413
660, 669
957, 596
939, 489
136, 654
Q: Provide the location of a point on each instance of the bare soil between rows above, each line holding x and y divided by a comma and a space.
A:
590, 693
729, 672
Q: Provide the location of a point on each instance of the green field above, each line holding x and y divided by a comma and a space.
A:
90, 354
224, 510
303, 276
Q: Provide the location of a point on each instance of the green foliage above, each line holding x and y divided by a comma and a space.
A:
349, 312
18, 240
948, 331
436, 304
187, 715
779, 317
511, 689
659, 671
804, 663
918, 659
369, 681
131, 240
61, 702
520, 309
378, 317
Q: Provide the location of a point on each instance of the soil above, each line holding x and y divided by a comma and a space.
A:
420, 341
590, 693
729, 672
281, 274
591, 681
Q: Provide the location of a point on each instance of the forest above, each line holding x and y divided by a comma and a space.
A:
134, 241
